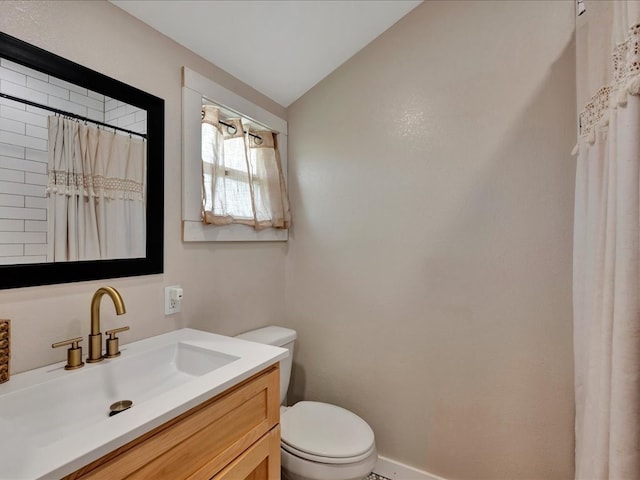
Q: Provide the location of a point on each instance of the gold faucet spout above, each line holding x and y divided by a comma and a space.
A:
118, 302
95, 339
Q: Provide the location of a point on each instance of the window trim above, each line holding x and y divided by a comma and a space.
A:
194, 88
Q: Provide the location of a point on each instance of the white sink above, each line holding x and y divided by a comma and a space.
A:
59, 420
50, 410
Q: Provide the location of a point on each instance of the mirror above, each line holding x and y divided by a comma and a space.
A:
148, 113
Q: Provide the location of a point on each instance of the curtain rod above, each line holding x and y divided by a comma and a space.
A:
69, 114
228, 125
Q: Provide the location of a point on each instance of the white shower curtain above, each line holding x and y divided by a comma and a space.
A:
96, 193
607, 242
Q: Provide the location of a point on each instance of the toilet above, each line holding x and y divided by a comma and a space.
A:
319, 441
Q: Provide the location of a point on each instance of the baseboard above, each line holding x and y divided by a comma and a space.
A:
398, 471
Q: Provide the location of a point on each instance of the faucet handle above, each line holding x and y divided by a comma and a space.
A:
113, 348
74, 353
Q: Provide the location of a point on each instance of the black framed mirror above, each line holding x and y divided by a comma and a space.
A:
13, 275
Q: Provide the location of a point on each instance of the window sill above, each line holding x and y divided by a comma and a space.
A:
199, 232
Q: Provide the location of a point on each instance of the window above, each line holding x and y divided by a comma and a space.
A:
242, 173
249, 129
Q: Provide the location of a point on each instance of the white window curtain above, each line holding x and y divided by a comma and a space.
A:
243, 181
96, 192
606, 283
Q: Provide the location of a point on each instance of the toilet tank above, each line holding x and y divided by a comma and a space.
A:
278, 337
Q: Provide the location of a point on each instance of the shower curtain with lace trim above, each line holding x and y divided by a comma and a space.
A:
606, 283
96, 192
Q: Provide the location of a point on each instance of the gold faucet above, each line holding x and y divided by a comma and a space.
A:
95, 338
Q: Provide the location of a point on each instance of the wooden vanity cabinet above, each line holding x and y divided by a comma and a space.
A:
233, 436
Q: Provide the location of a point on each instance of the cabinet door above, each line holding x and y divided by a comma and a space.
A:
199, 443
260, 462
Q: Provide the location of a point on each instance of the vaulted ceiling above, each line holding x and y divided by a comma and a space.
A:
281, 48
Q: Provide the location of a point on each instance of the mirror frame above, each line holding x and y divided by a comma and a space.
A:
32, 274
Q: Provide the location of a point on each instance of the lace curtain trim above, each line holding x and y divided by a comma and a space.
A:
65, 183
626, 80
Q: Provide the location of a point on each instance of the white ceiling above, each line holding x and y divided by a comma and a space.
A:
281, 48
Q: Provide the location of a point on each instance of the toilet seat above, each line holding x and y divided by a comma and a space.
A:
327, 460
325, 433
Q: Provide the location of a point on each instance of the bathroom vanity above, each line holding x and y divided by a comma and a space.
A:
235, 435
204, 406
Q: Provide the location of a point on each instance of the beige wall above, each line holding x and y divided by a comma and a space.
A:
429, 266
104, 38
428, 272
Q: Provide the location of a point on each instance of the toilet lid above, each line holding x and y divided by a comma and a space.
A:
324, 430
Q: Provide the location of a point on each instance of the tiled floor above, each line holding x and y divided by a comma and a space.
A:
375, 476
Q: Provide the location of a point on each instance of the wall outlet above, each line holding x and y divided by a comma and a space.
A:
172, 299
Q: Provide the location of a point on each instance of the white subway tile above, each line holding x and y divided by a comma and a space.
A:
37, 132
13, 76
9, 213
110, 104
12, 103
22, 92
37, 156
20, 115
12, 225
86, 101
11, 250
11, 175
95, 114
35, 202
35, 179
23, 165
9, 150
11, 125
47, 88
131, 109
23, 140
22, 189
96, 95
35, 249
67, 106
125, 121
116, 113
22, 69
141, 115
68, 86
22, 260
23, 237
140, 127
35, 225
40, 111
11, 200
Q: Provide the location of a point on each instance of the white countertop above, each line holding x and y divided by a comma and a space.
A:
61, 402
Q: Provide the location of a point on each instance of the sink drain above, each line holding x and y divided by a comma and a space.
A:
119, 406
